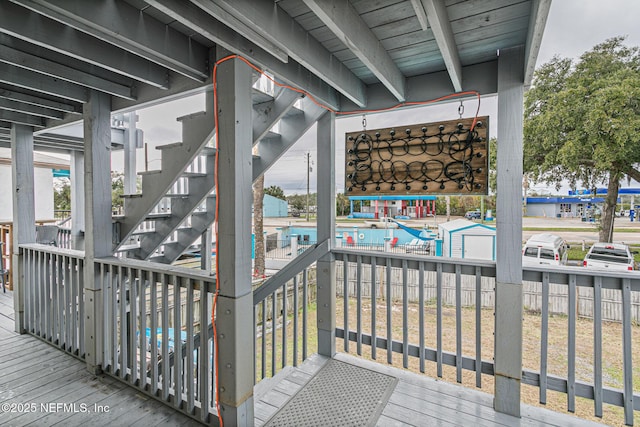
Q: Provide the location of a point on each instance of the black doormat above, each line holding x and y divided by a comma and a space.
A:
340, 394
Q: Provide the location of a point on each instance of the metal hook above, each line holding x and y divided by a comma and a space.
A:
461, 109
364, 122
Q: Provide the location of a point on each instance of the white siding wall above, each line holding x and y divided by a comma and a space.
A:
43, 182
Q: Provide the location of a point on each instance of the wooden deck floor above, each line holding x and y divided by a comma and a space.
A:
416, 400
34, 373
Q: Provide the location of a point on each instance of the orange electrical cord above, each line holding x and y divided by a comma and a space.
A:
319, 104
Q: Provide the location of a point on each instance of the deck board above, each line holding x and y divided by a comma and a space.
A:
416, 401
33, 371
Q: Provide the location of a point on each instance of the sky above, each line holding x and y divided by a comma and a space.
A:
573, 27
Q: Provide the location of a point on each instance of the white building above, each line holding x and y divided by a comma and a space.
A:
467, 239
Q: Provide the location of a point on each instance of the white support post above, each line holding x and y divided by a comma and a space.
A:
130, 173
509, 311
294, 245
235, 302
326, 214
24, 216
77, 200
98, 230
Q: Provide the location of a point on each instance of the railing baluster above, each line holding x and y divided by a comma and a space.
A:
285, 293
597, 345
144, 276
421, 314
389, 312
133, 351
153, 334
206, 370
627, 364
80, 276
107, 321
374, 303
37, 284
264, 339
345, 302
59, 290
571, 356
166, 381
124, 354
274, 324
190, 348
359, 305
439, 319
458, 323
544, 337
478, 327
305, 297
295, 320
405, 315
113, 282
177, 342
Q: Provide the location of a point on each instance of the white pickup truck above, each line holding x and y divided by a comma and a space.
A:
609, 256
381, 223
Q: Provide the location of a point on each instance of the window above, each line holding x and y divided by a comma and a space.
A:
546, 254
532, 252
565, 207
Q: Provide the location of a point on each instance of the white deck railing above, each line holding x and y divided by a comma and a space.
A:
157, 320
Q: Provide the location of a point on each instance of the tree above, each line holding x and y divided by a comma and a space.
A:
258, 227
62, 194
582, 120
275, 191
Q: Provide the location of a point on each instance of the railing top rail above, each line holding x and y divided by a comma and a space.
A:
53, 250
584, 276
154, 267
488, 268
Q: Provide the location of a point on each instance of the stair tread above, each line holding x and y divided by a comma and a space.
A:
130, 196
190, 116
167, 146
151, 172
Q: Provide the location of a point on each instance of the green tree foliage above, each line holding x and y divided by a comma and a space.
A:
62, 194
275, 191
582, 121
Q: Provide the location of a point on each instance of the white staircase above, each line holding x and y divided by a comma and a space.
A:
177, 203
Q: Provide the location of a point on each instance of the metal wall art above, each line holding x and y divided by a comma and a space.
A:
434, 158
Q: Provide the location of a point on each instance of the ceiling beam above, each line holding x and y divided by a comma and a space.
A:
343, 20
42, 102
22, 118
27, 79
276, 25
537, 22
34, 63
207, 26
127, 27
436, 13
480, 77
23, 107
45, 32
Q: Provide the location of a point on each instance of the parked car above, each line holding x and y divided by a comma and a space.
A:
544, 249
609, 256
382, 223
473, 215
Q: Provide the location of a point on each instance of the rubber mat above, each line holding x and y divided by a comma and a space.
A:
340, 394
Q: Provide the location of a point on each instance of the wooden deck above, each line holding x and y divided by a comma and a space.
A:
33, 372
416, 400
37, 380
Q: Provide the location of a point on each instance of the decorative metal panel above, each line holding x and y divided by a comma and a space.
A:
448, 157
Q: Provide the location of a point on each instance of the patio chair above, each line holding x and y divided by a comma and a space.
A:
47, 235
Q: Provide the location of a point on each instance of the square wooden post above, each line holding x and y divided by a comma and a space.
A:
24, 214
98, 225
234, 319
326, 212
508, 308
